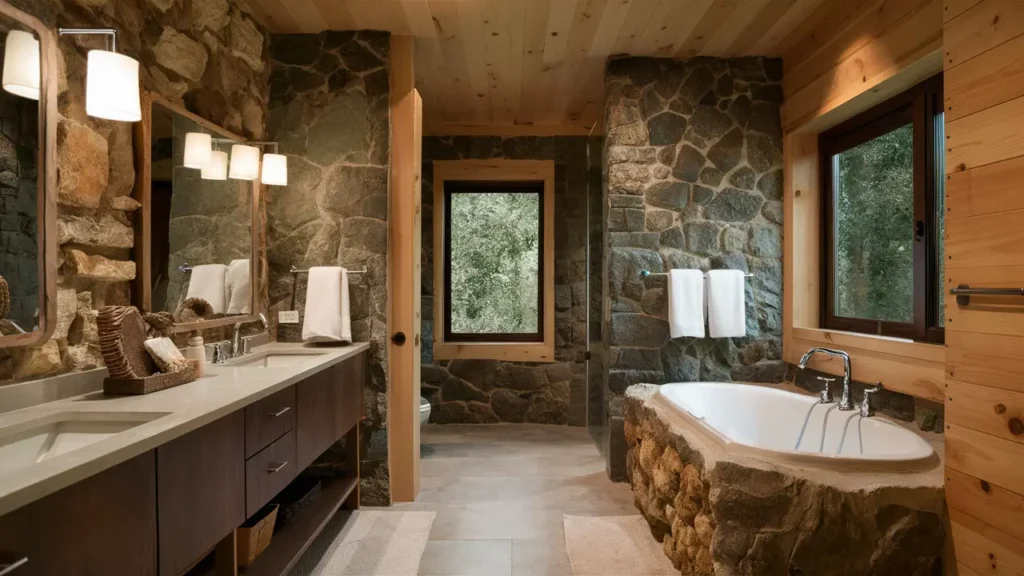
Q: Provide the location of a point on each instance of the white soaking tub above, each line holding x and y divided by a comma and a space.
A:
770, 423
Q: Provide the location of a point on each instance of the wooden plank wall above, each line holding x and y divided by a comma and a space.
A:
983, 57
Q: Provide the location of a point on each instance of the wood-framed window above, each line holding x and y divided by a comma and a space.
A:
494, 260
882, 204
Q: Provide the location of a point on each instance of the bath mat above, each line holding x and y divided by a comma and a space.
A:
614, 546
368, 543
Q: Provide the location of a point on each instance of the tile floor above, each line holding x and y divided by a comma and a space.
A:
500, 491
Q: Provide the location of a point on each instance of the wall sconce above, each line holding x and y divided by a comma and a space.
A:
112, 80
245, 162
198, 150
217, 167
21, 64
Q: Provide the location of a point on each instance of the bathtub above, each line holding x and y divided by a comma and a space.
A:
775, 424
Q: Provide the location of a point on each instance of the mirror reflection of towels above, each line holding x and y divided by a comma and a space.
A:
207, 281
237, 286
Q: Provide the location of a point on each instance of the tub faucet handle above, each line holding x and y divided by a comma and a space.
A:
826, 394
866, 411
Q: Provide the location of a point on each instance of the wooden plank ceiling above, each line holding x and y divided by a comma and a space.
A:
537, 66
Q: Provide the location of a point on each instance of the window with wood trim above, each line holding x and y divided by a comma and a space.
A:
494, 260
882, 218
493, 251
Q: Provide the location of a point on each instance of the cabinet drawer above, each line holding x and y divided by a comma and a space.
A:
268, 420
268, 472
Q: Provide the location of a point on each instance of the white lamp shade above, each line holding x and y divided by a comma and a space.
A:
275, 170
198, 148
245, 162
217, 167
21, 64
112, 87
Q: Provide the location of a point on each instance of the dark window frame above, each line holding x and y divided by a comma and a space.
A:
919, 106
492, 187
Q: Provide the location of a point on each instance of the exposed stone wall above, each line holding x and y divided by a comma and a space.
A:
329, 110
693, 155
18, 209
484, 391
209, 56
717, 515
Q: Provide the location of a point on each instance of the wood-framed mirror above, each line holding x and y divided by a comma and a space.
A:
196, 233
28, 179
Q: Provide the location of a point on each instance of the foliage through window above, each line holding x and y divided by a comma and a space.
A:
882, 213
493, 261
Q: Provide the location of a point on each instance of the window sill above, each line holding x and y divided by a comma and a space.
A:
506, 351
905, 366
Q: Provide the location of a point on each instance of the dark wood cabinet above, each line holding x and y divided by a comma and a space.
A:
103, 525
269, 419
200, 491
328, 403
268, 472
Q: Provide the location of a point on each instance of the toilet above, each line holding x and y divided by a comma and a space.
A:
424, 411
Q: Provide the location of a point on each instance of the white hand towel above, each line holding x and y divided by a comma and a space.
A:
727, 312
327, 317
237, 286
686, 303
207, 282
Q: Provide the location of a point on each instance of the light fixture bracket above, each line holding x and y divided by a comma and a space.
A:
109, 32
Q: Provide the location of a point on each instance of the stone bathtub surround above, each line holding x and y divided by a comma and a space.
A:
693, 160
329, 111
491, 391
208, 55
719, 513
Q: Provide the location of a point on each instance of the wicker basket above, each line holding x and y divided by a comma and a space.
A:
254, 536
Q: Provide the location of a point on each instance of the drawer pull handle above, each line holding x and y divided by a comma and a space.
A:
278, 468
10, 568
280, 412
1016, 426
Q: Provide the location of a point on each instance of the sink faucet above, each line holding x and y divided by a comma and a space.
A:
846, 402
866, 410
236, 339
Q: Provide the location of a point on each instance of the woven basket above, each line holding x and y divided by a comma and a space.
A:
254, 536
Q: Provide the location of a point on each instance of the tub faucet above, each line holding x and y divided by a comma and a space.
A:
846, 402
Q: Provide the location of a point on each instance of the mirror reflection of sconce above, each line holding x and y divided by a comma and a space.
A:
21, 64
112, 79
244, 163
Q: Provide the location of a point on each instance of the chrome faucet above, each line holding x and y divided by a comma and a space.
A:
236, 339
866, 411
846, 402
826, 394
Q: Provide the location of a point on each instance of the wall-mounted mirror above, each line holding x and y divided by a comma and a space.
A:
197, 223
28, 112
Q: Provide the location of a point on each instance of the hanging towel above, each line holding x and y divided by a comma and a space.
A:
207, 281
327, 317
686, 303
237, 285
727, 312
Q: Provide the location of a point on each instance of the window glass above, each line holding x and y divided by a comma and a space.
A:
495, 259
874, 228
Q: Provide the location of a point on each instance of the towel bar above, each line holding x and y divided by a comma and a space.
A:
646, 273
295, 270
964, 292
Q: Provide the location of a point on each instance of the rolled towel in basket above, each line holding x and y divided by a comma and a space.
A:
327, 316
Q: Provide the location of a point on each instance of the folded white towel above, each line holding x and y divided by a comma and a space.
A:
727, 312
686, 303
207, 282
327, 317
237, 286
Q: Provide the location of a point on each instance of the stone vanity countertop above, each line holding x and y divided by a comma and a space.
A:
223, 390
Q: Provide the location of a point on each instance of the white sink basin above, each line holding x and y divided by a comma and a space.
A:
272, 359
34, 441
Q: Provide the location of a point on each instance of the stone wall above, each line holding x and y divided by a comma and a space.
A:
209, 56
693, 156
19, 260
329, 110
721, 514
487, 391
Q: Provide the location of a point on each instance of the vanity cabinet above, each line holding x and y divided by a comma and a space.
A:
103, 525
200, 491
329, 404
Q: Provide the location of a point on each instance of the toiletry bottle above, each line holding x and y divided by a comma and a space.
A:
197, 351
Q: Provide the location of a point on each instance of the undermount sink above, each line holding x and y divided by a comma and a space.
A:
274, 359
34, 441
